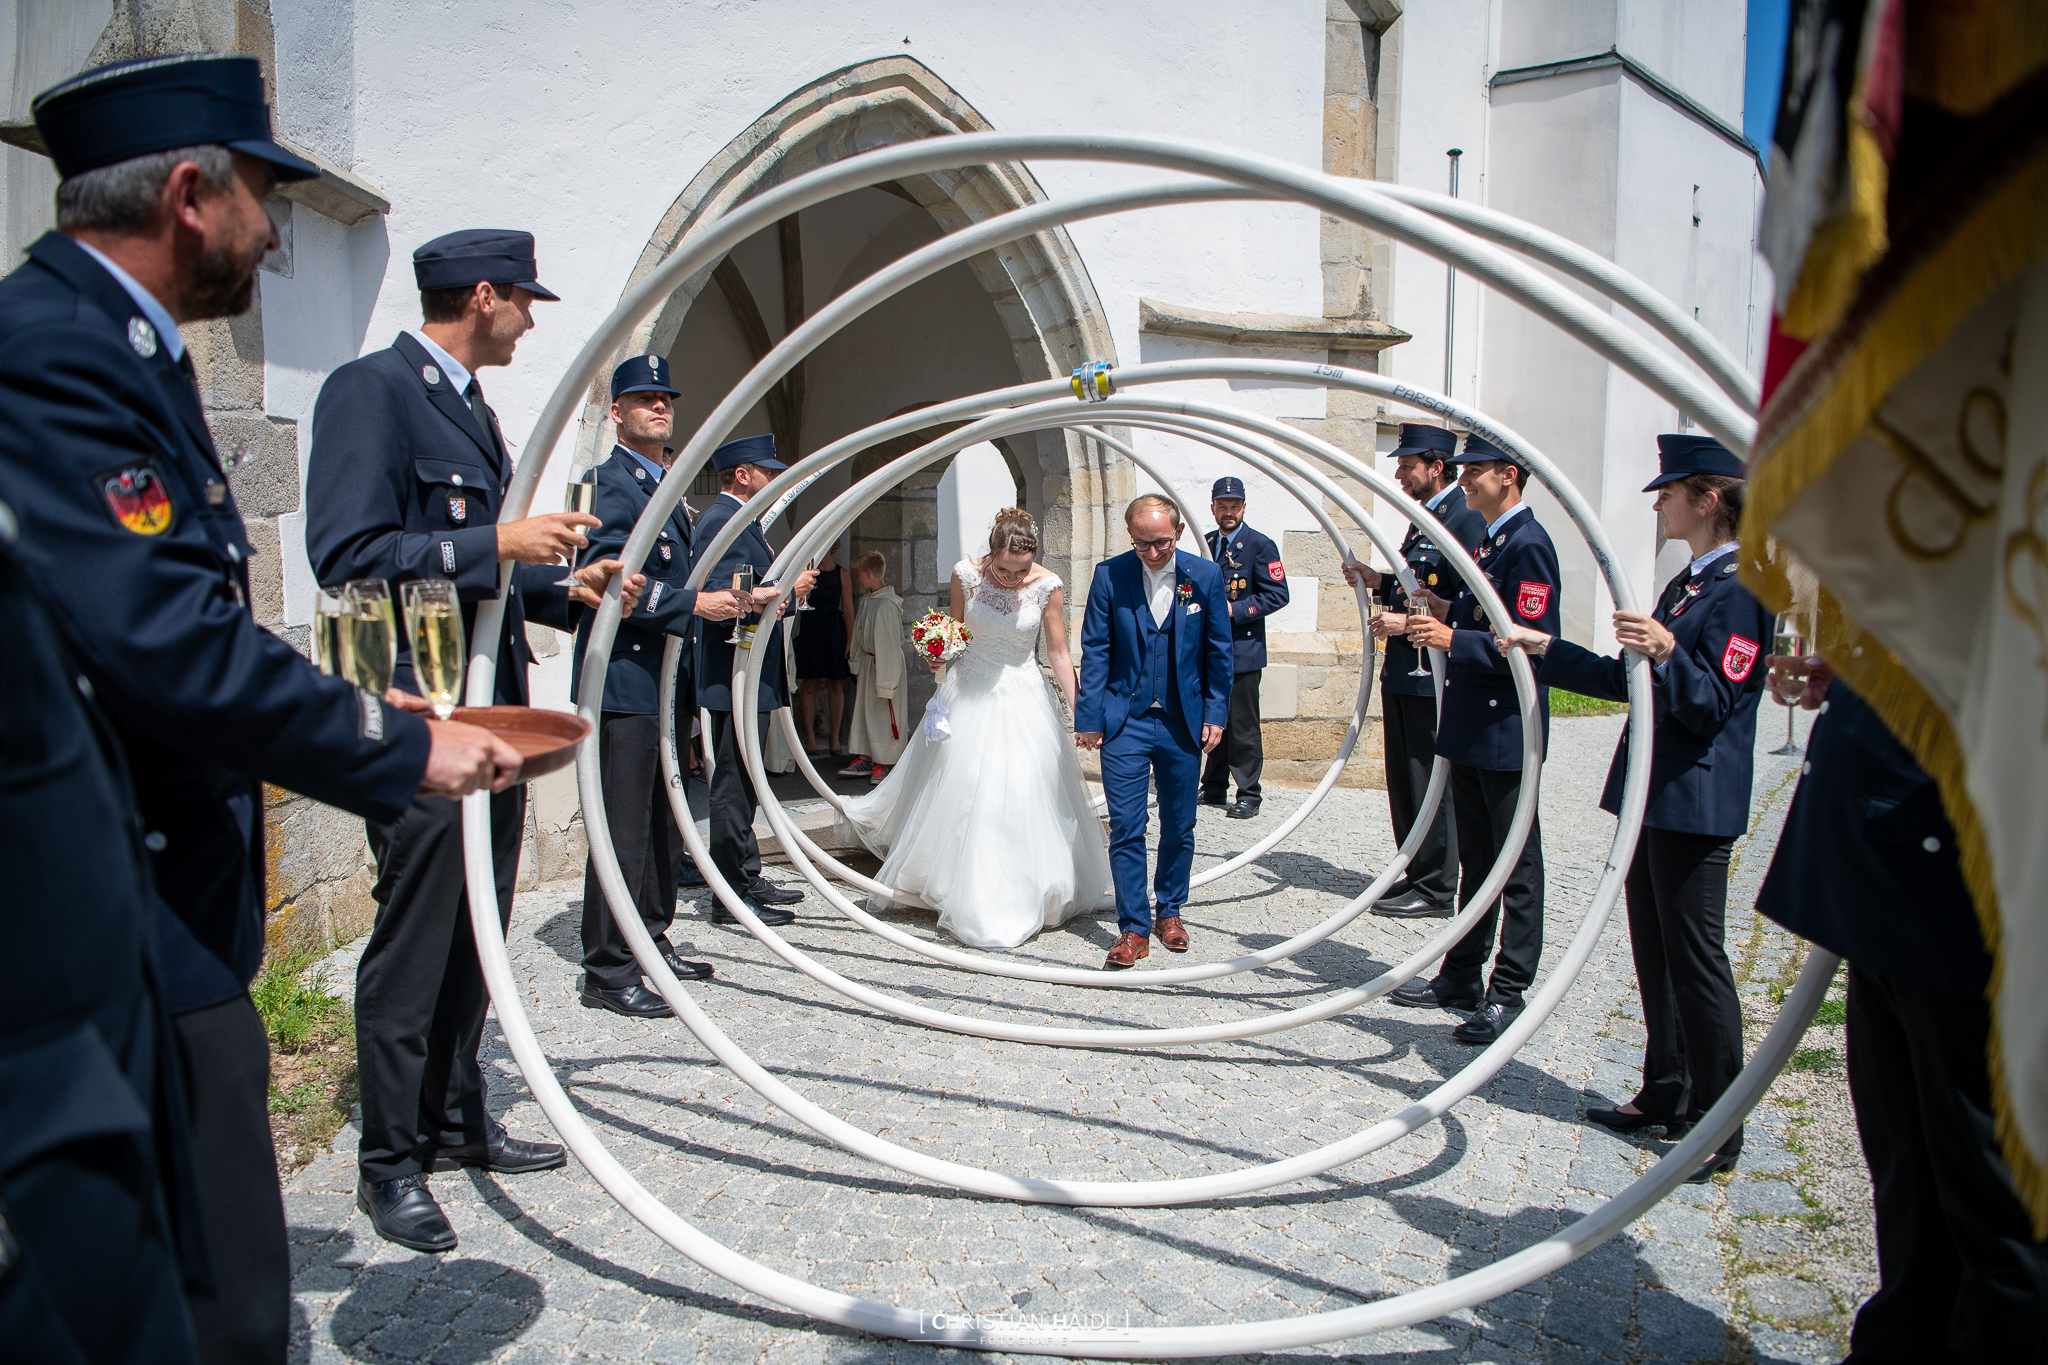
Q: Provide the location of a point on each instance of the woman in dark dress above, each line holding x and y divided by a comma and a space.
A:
1705, 642
821, 638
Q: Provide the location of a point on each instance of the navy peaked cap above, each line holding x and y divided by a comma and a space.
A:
1478, 448
118, 112
1229, 486
643, 374
1680, 457
755, 450
480, 256
1420, 438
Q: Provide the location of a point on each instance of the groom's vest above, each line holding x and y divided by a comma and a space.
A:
1158, 673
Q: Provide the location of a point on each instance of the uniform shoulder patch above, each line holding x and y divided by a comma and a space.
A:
137, 496
1531, 599
1738, 658
1276, 570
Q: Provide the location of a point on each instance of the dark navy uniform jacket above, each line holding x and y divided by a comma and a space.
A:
1257, 586
1706, 696
1481, 725
402, 483
105, 449
712, 667
92, 1134
632, 680
1431, 565
1866, 866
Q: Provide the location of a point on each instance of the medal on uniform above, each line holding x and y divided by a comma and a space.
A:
430, 374
142, 337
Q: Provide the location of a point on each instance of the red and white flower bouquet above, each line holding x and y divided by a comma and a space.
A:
938, 638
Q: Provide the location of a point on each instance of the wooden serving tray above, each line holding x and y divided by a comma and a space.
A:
546, 740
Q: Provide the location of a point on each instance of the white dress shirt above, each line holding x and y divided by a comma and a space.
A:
1159, 590
456, 372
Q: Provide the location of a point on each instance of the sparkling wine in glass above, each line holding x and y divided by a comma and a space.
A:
1788, 641
433, 627
327, 634
1418, 605
369, 635
1374, 605
582, 497
804, 603
742, 588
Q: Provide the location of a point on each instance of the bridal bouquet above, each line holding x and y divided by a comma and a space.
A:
938, 638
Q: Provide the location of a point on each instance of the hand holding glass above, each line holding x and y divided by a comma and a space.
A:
582, 498
804, 603
433, 627
743, 590
1418, 615
1788, 642
369, 635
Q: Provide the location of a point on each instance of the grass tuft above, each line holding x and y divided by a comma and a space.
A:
1563, 703
1816, 1059
313, 1061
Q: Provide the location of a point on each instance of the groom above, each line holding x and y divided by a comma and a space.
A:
1155, 674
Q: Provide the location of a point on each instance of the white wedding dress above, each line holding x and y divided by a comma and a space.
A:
993, 826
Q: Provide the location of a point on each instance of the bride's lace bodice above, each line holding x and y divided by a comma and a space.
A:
1005, 622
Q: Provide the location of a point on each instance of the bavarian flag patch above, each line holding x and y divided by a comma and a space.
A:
137, 496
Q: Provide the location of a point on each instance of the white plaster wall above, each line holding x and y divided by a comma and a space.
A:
41, 42
975, 487
314, 44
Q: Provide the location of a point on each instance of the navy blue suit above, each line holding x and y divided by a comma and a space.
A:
629, 733
1867, 868
1129, 664
404, 483
92, 1130
733, 849
1705, 699
1481, 735
104, 448
1256, 583
1408, 709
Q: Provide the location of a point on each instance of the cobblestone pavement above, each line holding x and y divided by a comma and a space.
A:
550, 1269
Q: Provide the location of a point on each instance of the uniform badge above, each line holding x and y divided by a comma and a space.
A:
142, 337
137, 497
1275, 570
1738, 658
640, 474
654, 597
1531, 599
667, 553
1501, 539
458, 510
430, 374
1432, 580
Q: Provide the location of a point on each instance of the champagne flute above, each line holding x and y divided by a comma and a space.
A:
743, 589
1788, 640
369, 635
582, 497
327, 634
804, 603
1418, 605
433, 626
1373, 607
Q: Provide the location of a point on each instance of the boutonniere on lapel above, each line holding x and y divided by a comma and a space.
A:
1187, 596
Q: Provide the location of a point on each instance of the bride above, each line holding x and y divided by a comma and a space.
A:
993, 826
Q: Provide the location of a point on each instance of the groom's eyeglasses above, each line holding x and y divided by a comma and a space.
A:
1155, 545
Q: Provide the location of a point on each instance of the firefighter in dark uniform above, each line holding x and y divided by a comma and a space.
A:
1867, 867
745, 467
406, 476
98, 1233
1481, 735
1257, 585
1704, 640
104, 448
629, 736
1408, 703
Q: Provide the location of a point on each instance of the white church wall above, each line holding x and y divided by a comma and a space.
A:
976, 486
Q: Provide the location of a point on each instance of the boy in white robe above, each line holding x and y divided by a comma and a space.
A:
880, 729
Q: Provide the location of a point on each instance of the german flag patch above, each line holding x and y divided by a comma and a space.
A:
137, 496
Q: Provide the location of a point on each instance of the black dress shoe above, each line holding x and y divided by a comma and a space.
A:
1488, 1023
689, 877
1215, 798
1243, 810
1410, 906
1619, 1122
763, 892
1427, 995
634, 1001
767, 914
1715, 1164
686, 971
404, 1211
503, 1153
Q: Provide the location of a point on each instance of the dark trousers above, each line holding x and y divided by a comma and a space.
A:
733, 850
420, 996
1960, 1277
1242, 754
1677, 904
1485, 804
644, 836
225, 1055
1408, 725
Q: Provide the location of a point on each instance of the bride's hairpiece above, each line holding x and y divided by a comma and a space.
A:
1015, 531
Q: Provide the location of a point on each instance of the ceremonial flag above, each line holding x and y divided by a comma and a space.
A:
1902, 452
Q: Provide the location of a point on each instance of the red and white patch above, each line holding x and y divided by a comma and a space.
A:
1738, 658
1275, 570
1531, 599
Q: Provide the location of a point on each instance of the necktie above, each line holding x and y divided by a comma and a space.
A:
475, 394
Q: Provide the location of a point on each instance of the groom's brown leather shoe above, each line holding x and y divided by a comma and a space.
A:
1129, 948
1172, 936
